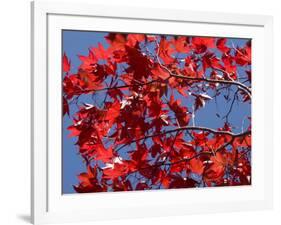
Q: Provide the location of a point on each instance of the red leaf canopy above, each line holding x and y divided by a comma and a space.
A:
140, 129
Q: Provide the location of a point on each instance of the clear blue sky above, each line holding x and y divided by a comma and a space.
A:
78, 43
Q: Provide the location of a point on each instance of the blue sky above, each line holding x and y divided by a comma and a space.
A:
78, 43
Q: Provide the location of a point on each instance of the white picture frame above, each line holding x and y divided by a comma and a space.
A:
48, 205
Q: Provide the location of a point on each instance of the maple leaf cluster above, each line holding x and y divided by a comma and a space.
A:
136, 101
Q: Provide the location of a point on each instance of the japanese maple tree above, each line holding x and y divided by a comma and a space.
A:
138, 106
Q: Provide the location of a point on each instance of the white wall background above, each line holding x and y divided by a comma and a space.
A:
15, 113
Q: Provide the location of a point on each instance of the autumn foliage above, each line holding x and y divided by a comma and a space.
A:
137, 100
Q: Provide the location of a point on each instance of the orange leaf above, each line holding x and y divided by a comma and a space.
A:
196, 166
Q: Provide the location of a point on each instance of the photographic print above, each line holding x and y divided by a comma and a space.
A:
154, 111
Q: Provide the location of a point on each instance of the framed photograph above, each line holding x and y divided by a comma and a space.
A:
141, 112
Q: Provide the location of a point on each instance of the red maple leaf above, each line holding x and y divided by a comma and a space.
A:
65, 63
221, 45
201, 44
158, 71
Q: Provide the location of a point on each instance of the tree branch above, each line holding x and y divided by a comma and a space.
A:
187, 128
122, 86
243, 87
190, 158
